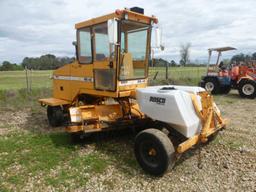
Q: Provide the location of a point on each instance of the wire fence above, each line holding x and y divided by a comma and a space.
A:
181, 75
28, 80
39, 79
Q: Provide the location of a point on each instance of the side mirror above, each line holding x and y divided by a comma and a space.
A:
112, 31
74, 43
157, 38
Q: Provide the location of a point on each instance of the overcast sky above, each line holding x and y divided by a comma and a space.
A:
32, 28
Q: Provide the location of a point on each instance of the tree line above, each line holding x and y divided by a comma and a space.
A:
243, 57
44, 62
50, 62
159, 62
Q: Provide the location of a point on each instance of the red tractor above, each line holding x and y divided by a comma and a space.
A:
220, 79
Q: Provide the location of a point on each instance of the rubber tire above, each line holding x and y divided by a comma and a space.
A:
216, 89
163, 146
225, 89
240, 89
55, 116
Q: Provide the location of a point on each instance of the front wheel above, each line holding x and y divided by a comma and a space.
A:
212, 85
247, 89
154, 151
55, 115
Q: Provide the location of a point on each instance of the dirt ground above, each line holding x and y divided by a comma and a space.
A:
227, 164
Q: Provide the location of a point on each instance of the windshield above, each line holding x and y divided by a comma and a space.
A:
134, 46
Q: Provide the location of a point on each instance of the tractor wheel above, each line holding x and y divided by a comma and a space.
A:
225, 89
154, 151
247, 89
212, 85
55, 115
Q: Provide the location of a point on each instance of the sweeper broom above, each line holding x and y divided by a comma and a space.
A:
106, 88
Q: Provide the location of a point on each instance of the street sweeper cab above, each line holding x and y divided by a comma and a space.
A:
106, 88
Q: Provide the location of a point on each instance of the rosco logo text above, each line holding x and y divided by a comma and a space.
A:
158, 100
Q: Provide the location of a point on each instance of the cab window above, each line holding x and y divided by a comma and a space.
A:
84, 45
134, 54
102, 47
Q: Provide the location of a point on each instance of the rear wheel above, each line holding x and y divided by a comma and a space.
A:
247, 89
154, 151
212, 85
55, 115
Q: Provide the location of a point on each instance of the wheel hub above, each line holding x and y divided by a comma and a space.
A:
152, 152
248, 89
209, 86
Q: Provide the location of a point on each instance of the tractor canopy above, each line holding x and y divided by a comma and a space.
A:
221, 49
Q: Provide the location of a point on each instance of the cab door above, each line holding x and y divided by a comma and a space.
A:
104, 65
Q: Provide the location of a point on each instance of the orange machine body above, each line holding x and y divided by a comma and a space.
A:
98, 70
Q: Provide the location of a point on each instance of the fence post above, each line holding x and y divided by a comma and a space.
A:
30, 80
26, 72
166, 70
154, 78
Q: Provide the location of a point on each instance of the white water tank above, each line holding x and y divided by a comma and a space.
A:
172, 105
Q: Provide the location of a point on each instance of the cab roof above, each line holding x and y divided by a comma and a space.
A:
119, 14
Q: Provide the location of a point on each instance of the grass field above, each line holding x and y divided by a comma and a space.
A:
39, 79
17, 79
37, 157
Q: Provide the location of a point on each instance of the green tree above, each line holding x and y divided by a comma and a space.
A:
7, 66
45, 62
254, 56
240, 57
173, 63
